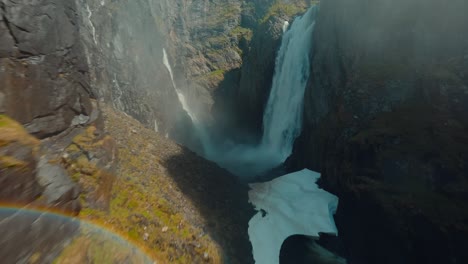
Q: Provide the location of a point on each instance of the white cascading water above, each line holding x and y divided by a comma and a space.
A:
199, 129
285, 26
180, 95
282, 120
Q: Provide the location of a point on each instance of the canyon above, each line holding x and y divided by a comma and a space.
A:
149, 118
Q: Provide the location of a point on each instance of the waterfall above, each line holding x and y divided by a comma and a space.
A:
282, 120
180, 95
199, 129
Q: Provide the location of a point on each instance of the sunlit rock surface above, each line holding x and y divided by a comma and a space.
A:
289, 205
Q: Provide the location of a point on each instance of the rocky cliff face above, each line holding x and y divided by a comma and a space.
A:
124, 54
42, 73
385, 122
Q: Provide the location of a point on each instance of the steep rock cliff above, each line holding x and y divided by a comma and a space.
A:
42, 72
385, 121
124, 54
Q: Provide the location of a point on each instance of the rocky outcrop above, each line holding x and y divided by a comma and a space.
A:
29, 176
385, 122
27, 182
42, 80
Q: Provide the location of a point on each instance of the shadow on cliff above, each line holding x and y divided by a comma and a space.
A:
221, 200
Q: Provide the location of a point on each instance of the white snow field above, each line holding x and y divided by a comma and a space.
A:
292, 204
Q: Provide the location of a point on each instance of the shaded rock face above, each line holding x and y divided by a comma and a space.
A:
385, 121
41, 65
123, 45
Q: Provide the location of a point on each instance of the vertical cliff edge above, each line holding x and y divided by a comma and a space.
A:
385, 121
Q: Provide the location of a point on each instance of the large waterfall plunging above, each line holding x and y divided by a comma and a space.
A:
282, 120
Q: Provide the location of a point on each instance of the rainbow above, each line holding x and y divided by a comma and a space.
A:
107, 231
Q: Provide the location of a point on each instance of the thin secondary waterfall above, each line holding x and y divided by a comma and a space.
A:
282, 120
200, 131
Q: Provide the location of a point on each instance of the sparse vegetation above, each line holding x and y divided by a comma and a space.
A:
140, 207
282, 8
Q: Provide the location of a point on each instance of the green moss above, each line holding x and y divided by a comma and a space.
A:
133, 233
218, 41
139, 201
241, 32
132, 204
12, 131
280, 8
3, 120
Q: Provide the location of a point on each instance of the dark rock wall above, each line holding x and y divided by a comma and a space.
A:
42, 70
385, 121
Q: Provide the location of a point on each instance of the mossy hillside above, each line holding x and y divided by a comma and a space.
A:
140, 196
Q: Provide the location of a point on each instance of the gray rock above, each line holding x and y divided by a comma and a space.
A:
80, 120
58, 188
41, 65
7, 43
2, 102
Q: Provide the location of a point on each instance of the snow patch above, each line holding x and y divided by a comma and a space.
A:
289, 205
